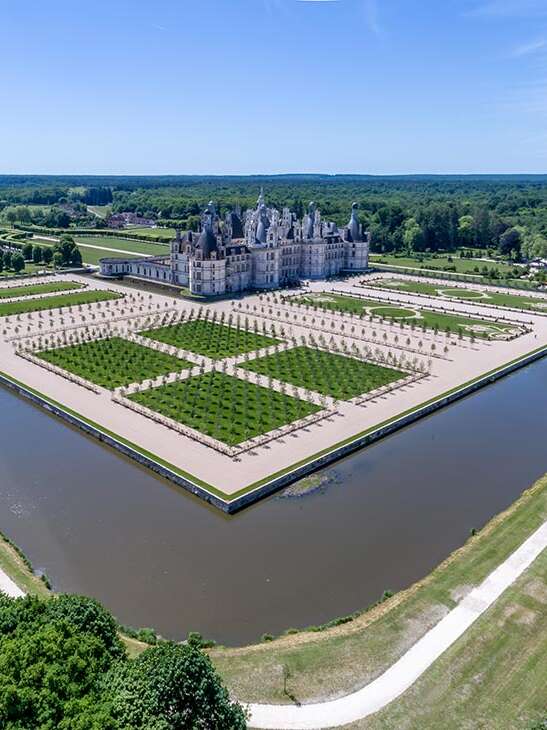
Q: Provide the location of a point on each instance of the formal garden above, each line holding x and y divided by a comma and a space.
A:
113, 362
28, 290
340, 376
226, 408
213, 338
416, 317
497, 299
55, 302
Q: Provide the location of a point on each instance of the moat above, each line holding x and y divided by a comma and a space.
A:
98, 524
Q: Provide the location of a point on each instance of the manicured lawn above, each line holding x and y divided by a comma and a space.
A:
92, 255
63, 300
30, 268
113, 362
494, 677
211, 339
31, 289
226, 408
166, 234
499, 299
123, 244
441, 263
324, 372
422, 317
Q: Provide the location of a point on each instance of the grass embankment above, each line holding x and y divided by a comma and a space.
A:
339, 660
514, 301
412, 315
55, 302
14, 563
28, 290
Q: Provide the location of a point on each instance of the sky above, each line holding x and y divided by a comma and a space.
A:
273, 86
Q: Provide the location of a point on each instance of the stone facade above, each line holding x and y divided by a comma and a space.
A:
261, 249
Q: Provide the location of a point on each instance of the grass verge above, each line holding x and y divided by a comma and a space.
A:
339, 660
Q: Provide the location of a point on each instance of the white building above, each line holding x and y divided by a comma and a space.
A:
263, 249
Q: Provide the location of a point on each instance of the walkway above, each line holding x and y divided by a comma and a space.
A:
399, 677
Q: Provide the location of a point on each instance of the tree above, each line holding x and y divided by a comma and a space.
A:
47, 255
76, 257
17, 263
37, 255
413, 236
58, 259
510, 243
172, 686
7, 259
27, 251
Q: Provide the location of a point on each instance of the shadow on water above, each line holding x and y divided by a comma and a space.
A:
99, 524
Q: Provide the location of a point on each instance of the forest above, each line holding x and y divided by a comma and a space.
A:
405, 214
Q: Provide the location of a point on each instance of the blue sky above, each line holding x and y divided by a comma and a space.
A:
268, 86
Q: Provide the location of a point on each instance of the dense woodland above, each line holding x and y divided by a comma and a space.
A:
408, 214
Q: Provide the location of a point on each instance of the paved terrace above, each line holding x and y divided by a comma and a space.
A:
463, 362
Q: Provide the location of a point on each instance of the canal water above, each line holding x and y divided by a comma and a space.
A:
99, 524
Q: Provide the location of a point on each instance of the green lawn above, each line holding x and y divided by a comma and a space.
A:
324, 372
441, 263
515, 301
113, 362
420, 318
62, 300
123, 244
227, 408
92, 255
166, 234
494, 677
208, 338
30, 268
30, 289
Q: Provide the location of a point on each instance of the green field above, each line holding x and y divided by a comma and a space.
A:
29, 269
93, 255
62, 300
113, 362
166, 234
209, 338
31, 289
223, 407
413, 316
498, 299
441, 263
324, 372
493, 677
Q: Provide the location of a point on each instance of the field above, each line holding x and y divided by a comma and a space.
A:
324, 372
441, 263
223, 407
31, 289
62, 300
494, 677
413, 316
498, 299
210, 338
113, 362
123, 244
166, 234
93, 255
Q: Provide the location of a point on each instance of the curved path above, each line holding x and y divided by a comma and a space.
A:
401, 675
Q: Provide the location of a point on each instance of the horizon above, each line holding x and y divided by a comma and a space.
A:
353, 87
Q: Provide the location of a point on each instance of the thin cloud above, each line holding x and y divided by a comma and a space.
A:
510, 8
527, 49
370, 8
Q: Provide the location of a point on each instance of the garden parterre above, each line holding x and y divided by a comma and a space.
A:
425, 318
28, 290
210, 338
328, 373
224, 407
23, 306
113, 362
485, 297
